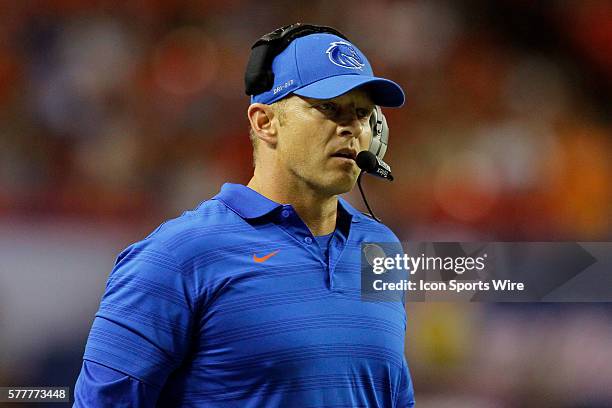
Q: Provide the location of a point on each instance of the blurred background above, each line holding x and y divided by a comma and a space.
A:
115, 116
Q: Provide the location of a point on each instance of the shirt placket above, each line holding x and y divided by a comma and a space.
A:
295, 227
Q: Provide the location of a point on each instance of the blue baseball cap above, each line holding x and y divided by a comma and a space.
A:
324, 66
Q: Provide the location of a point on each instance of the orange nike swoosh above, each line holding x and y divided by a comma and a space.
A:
265, 257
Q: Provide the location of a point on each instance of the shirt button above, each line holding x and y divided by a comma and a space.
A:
285, 213
308, 240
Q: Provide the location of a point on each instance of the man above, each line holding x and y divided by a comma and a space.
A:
252, 299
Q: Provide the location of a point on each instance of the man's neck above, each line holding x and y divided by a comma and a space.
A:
317, 211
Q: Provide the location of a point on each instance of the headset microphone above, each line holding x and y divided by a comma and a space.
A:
372, 164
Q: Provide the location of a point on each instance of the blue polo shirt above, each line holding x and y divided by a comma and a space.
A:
234, 304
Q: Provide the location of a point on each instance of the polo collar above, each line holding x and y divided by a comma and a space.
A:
248, 203
245, 201
355, 214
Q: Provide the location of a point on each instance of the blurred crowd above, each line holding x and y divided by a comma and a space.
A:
137, 109
130, 112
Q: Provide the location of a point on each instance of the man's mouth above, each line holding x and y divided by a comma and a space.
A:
346, 154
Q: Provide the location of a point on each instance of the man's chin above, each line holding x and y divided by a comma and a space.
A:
342, 184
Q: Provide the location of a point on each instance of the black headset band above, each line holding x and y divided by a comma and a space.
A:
259, 77
284, 35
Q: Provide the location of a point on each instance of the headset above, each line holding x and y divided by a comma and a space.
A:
259, 77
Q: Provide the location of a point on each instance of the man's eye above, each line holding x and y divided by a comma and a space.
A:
363, 113
327, 107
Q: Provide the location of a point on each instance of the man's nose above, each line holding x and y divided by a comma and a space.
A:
349, 125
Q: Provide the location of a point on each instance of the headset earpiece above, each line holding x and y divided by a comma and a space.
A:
380, 133
258, 76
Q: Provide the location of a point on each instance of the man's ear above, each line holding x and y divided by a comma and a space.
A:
261, 117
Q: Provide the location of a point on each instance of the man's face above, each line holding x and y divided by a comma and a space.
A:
318, 139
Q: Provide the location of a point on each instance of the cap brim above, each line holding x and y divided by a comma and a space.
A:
383, 92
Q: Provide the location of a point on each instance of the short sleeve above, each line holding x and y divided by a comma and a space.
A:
101, 386
143, 325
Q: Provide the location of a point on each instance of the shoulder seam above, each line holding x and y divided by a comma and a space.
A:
227, 206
